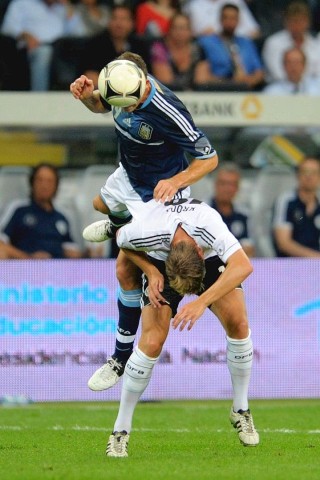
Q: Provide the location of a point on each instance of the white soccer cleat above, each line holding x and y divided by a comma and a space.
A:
118, 444
107, 375
243, 422
98, 231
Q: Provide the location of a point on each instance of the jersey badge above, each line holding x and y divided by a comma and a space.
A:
145, 131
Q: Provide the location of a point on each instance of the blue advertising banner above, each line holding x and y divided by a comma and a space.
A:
58, 322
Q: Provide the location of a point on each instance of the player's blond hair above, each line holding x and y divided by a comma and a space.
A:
185, 269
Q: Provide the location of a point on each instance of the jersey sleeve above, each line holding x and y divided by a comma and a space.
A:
176, 124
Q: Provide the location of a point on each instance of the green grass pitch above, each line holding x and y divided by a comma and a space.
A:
170, 440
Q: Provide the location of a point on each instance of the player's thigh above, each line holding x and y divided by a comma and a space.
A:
232, 313
128, 274
155, 328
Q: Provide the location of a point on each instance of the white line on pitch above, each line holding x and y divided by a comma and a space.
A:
88, 428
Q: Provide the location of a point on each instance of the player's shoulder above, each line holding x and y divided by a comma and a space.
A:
162, 99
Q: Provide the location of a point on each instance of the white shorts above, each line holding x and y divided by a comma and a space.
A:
119, 195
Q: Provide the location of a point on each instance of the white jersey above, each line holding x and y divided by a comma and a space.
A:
154, 233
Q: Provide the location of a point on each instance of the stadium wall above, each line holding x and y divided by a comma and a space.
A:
58, 322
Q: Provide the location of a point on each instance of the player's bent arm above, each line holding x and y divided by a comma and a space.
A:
83, 89
155, 278
288, 246
237, 270
94, 103
166, 189
197, 170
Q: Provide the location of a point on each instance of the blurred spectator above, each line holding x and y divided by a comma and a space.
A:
295, 34
232, 58
296, 81
226, 186
116, 39
269, 14
34, 228
90, 17
296, 225
205, 17
178, 60
153, 17
36, 25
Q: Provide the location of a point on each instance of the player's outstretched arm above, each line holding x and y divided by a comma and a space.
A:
83, 89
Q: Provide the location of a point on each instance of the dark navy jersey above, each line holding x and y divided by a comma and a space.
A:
155, 138
30, 228
290, 211
237, 222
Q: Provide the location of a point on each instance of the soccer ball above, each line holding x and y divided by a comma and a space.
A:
121, 83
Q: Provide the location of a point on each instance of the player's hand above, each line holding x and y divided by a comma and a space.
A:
189, 314
155, 287
164, 191
82, 88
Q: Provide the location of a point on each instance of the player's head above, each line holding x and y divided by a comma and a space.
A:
44, 181
185, 268
308, 175
141, 64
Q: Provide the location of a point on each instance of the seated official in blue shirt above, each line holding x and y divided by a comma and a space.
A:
296, 219
33, 228
226, 187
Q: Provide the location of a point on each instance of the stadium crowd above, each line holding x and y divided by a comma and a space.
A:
201, 45
208, 45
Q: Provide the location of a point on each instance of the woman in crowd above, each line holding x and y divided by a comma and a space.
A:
153, 17
178, 60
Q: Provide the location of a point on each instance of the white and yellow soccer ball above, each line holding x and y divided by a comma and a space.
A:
121, 83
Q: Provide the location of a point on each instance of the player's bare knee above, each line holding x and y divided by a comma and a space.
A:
238, 328
99, 205
152, 345
128, 275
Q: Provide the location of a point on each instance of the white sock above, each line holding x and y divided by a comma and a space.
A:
239, 359
136, 378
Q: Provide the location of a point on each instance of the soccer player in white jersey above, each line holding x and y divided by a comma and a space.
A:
154, 136
189, 250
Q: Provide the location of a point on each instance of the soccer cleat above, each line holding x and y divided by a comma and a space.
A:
118, 444
243, 422
99, 231
107, 375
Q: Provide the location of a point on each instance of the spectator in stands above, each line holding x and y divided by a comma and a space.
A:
226, 186
296, 81
33, 228
153, 17
116, 39
36, 25
295, 34
90, 17
178, 60
205, 17
296, 225
233, 59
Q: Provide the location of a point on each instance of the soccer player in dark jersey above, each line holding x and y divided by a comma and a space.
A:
190, 251
155, 134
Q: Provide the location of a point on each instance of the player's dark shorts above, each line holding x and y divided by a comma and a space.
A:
214, 268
